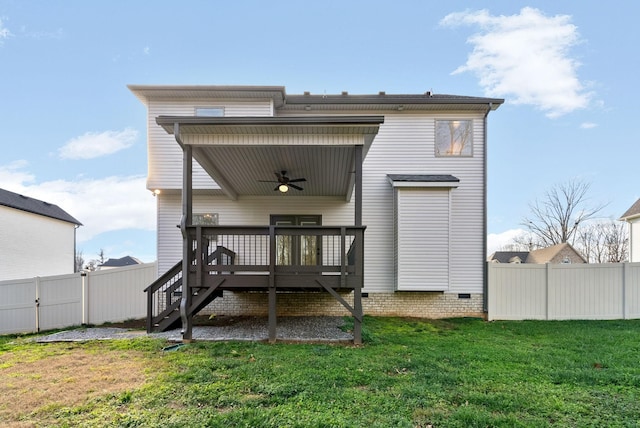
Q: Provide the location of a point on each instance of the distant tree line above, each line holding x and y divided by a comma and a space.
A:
565, 214
90, 265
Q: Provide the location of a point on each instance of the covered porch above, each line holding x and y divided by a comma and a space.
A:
256, 156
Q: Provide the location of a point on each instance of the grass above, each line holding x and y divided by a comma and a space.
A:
409, 373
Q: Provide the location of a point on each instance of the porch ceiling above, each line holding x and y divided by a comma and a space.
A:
241, 153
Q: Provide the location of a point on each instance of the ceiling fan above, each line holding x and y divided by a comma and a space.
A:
285, 182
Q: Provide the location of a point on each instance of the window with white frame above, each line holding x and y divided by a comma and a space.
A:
454, 137
210, 111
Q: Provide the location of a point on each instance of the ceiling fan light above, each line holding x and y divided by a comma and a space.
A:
283, 188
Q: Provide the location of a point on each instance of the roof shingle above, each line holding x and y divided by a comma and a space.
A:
35, 206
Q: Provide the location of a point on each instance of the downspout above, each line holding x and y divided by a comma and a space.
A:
485, 268
76, 268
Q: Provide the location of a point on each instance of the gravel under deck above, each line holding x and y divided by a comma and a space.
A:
295, 329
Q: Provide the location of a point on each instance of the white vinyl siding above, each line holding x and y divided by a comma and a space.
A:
422, 235
634, 240
164, 153
405, 144
34, 245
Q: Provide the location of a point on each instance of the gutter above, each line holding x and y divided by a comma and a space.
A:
485, 269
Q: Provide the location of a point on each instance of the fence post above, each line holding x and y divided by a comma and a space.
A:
85, 298
624, 290
546, 290
37, 301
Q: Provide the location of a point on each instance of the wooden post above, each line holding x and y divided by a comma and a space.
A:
359, 251
272, 285
358, 185
187, 203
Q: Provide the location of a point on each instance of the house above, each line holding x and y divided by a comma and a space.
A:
514, 257
38, 238
559, 253
273, 195
121, 262
632, 216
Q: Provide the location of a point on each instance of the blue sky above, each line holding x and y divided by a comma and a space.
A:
73, 134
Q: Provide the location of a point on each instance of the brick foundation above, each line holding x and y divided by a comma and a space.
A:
405, 304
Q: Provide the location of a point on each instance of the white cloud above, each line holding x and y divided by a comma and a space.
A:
92, 144
588, 125
101, 205
146, 50
12, 176
525, 58
4, 32
498, 241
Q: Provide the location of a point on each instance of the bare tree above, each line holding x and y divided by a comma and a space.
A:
603, 242
101, 256
555, 219
617, 240
79, 261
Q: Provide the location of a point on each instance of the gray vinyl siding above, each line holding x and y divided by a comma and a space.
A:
245, 211
423, 216
406, 145
164, 153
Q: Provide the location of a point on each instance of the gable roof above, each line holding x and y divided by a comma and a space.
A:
632, 212
544, 255
508, 256
539, 256
123, 261
35, 206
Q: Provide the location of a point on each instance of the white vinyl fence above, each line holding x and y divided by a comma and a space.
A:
563, 291
45, 303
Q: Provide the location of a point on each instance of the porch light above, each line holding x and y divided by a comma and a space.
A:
155, 192
283, 188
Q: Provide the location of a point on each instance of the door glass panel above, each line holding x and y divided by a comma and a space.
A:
284, 245
309, 246
302, 250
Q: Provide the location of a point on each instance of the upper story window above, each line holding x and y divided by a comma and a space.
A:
210, 111
454, 138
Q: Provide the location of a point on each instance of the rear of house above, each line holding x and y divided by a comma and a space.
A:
409, 169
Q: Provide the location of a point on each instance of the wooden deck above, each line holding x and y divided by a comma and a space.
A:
260, 258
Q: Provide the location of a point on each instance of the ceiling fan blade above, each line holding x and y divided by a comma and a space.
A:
294, 186
267, 181
297, 180
280, 176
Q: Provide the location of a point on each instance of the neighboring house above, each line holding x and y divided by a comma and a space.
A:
632, 216
560, 253
514, 257
121, 262
300, 177
38, 238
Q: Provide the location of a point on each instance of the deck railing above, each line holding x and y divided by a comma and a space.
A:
295, 256
243, 258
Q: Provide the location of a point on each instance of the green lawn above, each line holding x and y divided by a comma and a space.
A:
409, 373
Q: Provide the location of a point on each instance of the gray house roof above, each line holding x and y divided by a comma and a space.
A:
509, 256
539, 256
308, 101
35, 206
123, 261
632, 212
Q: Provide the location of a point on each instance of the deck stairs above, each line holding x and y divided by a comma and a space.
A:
164, 295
